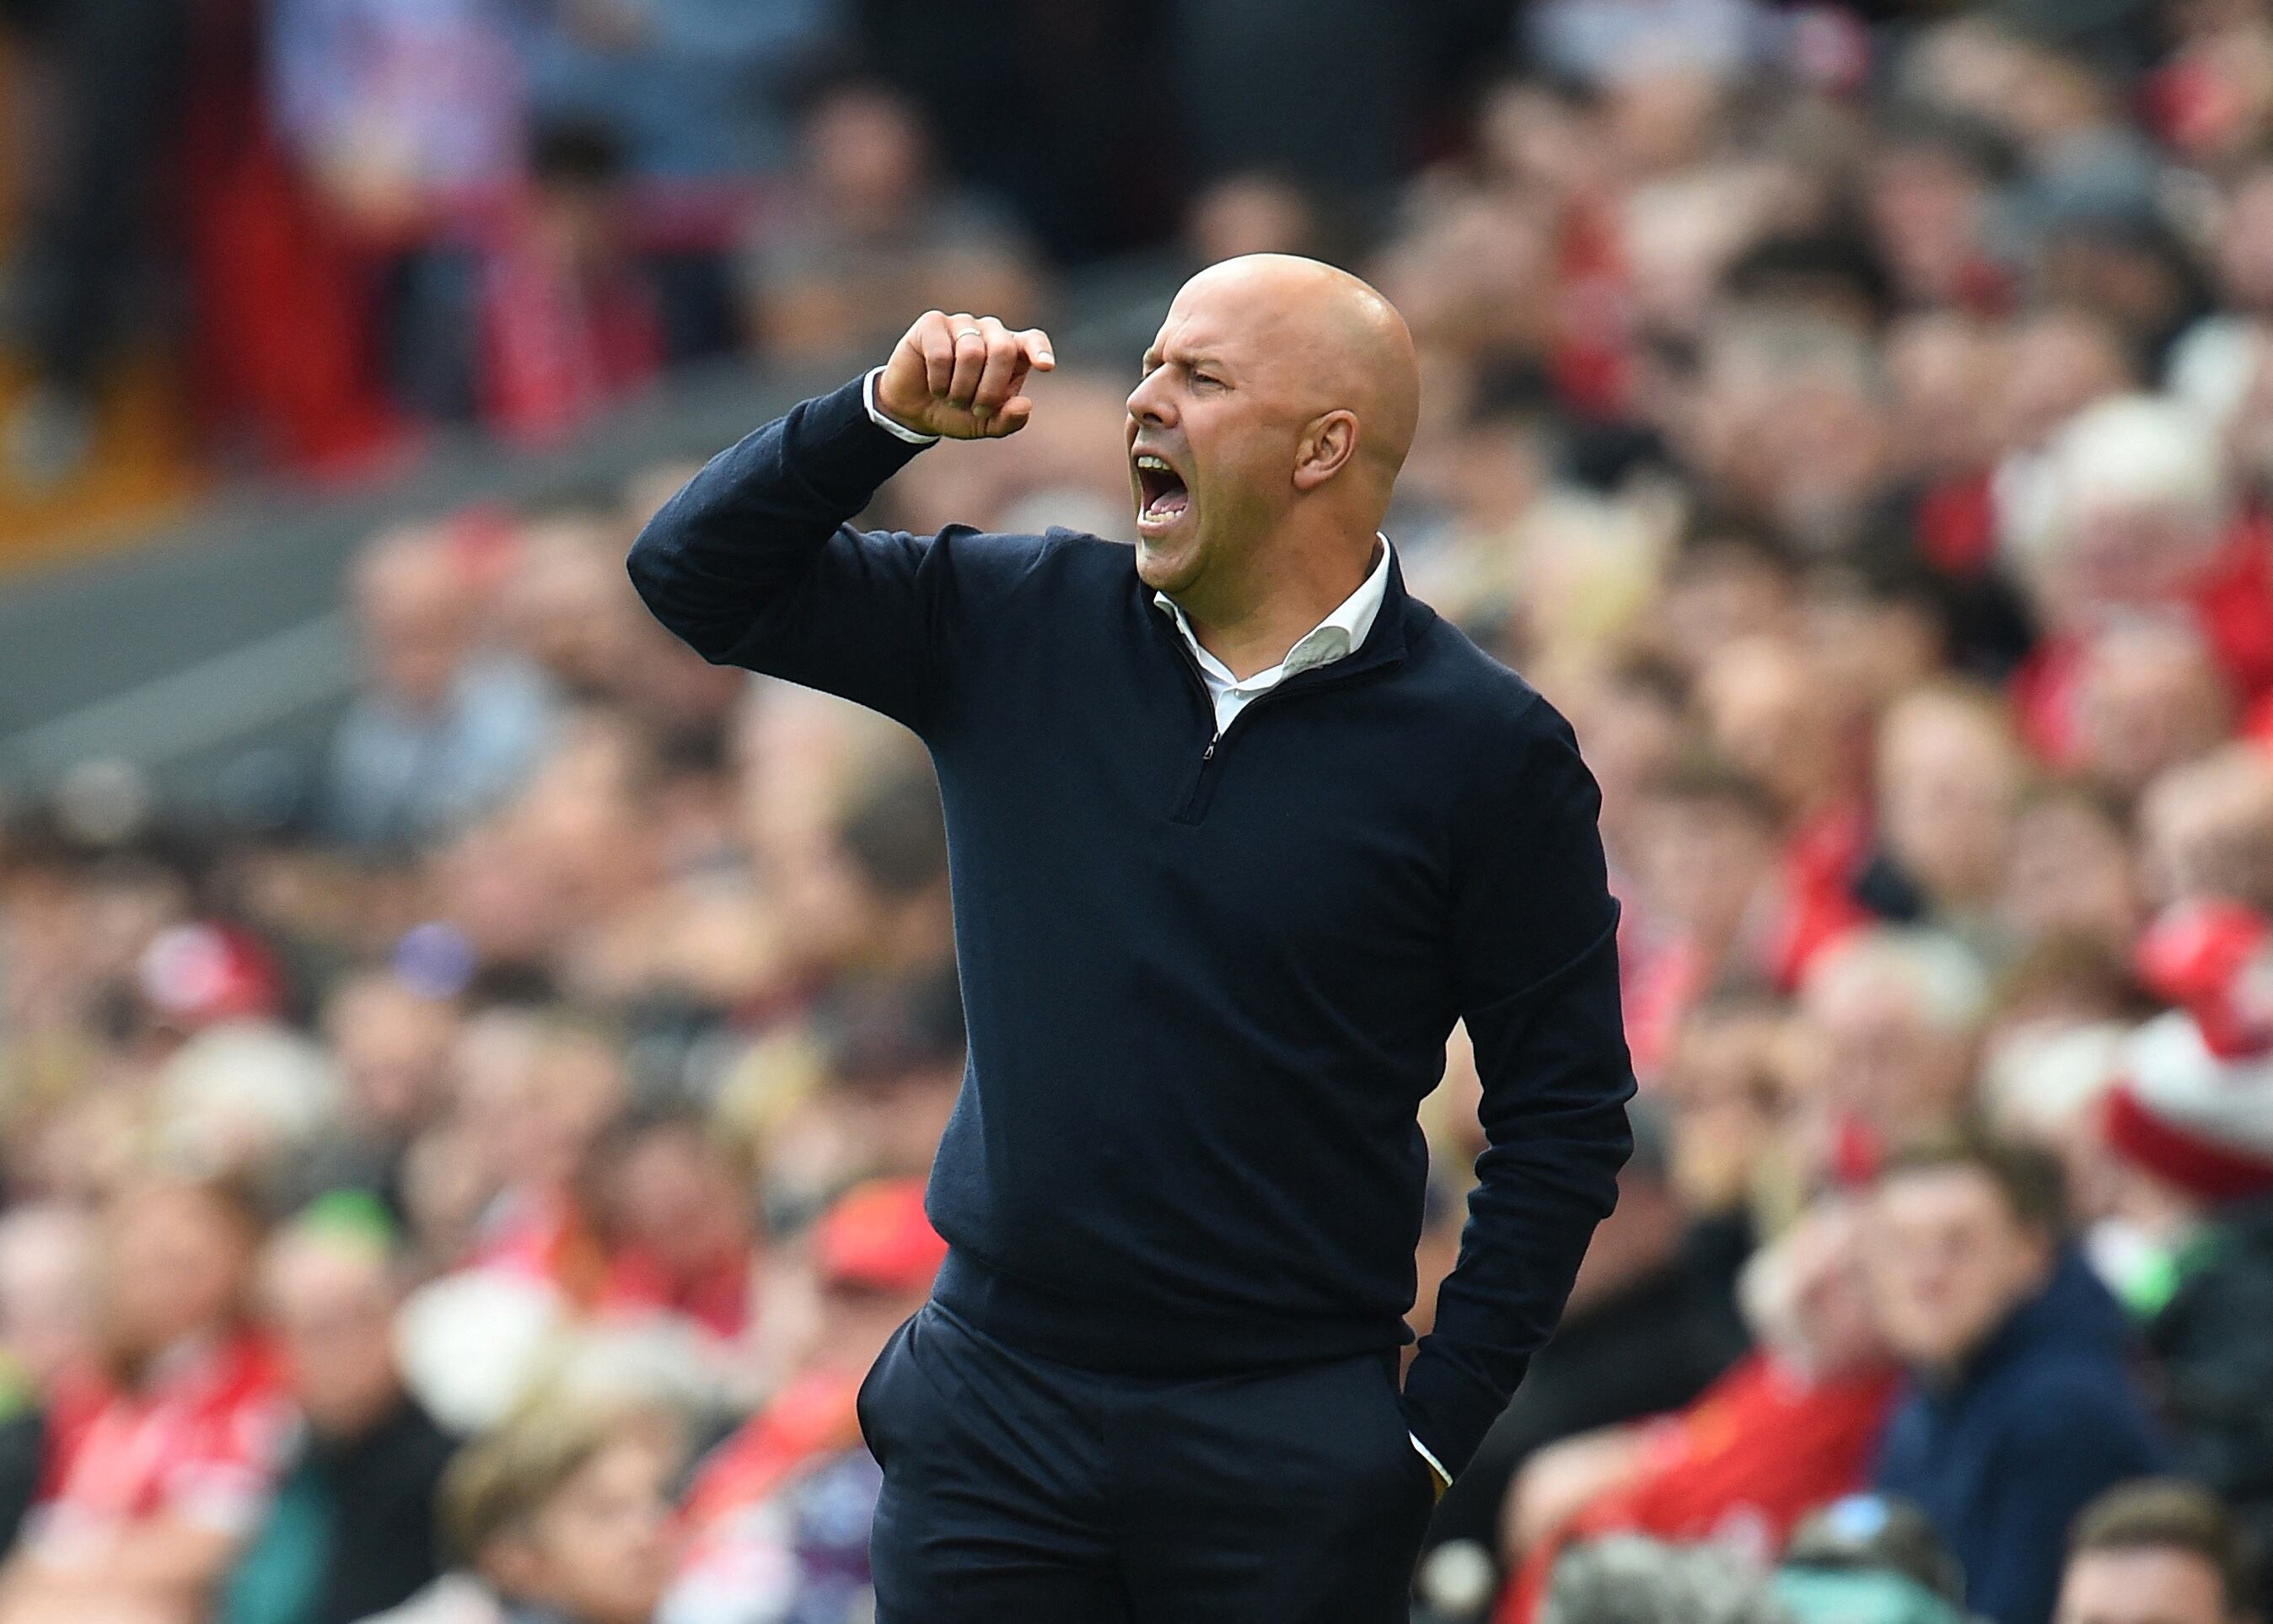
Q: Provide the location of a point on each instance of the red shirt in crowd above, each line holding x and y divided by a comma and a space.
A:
1761, 1448
198, 1440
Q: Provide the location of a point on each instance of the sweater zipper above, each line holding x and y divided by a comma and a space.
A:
1202, 791
1203, 784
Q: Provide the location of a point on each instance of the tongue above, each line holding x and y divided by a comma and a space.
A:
1168, 503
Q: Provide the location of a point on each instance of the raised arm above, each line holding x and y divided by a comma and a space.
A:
1536, 945
755, 562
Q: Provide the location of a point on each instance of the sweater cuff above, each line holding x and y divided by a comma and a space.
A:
1447, 1411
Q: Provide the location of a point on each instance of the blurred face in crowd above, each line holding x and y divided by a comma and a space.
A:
569, 607
1867, 650
1730, 1096
1629, 729
1770, 713
1878, 1052
1948, 1261
1250, 214
2070, 874
1274, 383
1925, 204
676, 1196
1942, 369
899, 1116
175, 1261
2206, 830
532, 1100
2057, 362
1808, 1299
1702, 860
1721, 592
867, 155
1641, 1236
2245, 244
598, 1552
2149, 697
417, 616
2116, 555
857, 1320
1949, 775
391, 1044
2142, 1584
331, 1302
44, 1267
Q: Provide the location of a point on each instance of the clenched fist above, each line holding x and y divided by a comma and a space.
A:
961, 377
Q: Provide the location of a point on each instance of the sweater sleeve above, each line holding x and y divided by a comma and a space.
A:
1535, 940
753, 564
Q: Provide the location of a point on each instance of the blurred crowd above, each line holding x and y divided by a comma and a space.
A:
476, 1181
350, 221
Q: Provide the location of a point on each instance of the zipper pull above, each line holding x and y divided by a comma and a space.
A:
1208, 754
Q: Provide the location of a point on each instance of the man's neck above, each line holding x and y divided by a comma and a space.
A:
1256, 626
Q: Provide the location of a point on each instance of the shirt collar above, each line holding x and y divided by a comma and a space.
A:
1339, 635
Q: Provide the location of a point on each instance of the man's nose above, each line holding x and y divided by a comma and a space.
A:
1149, 404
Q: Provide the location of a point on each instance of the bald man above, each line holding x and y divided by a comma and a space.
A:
1237, 830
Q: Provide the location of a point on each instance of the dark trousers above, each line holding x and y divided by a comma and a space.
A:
1018, 1491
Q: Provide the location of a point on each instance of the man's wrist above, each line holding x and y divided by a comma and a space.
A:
884, 420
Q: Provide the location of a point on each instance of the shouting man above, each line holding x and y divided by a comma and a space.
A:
1237, 831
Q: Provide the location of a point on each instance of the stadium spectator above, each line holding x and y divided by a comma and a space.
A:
1890, 1020
560, 1517
692, 89
2020, 1406
443, 730
678, 1224
2190, 1123
43, 1334
162, 1452
777, 1518
1787, 1428
875, 231
2160, 1551
1858, 418
351, 1530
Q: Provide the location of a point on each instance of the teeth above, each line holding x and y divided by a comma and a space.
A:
1153, 465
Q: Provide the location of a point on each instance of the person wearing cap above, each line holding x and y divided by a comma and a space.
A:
2190, 1120
1238, 831
778, 1516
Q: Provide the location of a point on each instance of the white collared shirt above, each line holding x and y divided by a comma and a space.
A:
1338, 636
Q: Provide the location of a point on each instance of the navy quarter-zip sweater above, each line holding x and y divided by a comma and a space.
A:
1208, 981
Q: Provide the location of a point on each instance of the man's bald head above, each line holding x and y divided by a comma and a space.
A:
1337, 340
1277, 404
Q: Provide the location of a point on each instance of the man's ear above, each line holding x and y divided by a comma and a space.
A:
1327, 446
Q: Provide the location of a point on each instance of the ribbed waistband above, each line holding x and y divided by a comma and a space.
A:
1143, 1338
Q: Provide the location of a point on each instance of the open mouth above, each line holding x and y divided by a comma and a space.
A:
1162, 496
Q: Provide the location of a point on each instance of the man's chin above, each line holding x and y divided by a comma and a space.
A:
1169, 562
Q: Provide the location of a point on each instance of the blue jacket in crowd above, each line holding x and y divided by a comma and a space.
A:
2042, 1418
